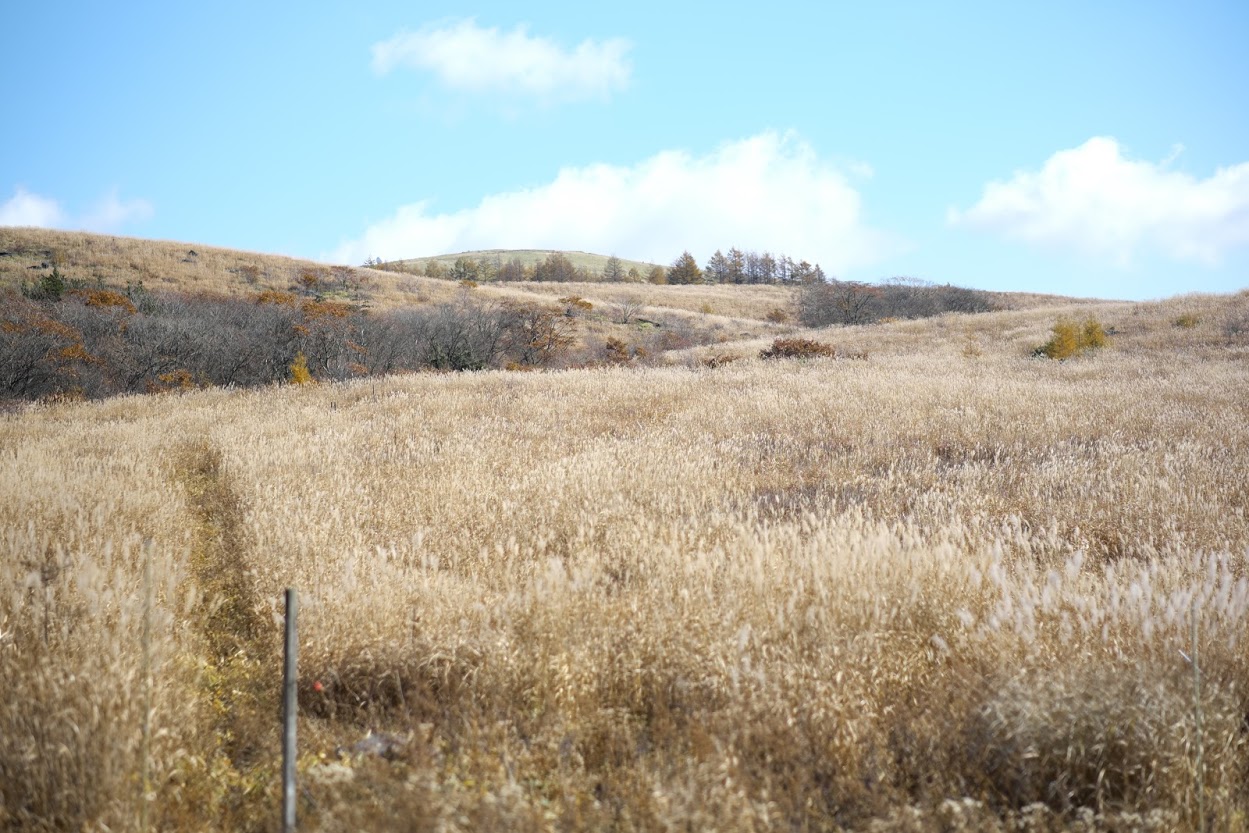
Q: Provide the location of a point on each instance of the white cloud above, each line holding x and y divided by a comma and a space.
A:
770, 192
467, 57
109, 213
1095, 200
27, 209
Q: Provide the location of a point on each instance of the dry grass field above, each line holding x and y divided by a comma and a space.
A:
947, 586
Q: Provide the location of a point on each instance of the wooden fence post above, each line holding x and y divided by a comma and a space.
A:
289, 709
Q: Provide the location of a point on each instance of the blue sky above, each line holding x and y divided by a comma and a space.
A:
1094, 149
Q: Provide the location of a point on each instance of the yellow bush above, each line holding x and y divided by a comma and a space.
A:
1094, 335
1186, 321
1071, 339
300, 375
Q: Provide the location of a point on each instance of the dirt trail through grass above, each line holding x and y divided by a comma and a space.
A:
238, 652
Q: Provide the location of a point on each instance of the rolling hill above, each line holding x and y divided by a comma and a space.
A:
592, 263
911, 589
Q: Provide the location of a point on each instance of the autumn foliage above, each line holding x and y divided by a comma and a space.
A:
1071, 339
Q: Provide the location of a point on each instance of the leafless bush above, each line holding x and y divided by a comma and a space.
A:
1236, 325
798, 348
853, 302
626, 309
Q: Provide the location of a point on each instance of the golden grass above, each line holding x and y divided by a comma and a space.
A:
28, 254
941, 589
728, 301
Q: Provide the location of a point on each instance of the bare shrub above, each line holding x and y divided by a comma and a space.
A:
1236, 325
822, 304
798, 348
575, 305
540, 336
625, 310
720, 360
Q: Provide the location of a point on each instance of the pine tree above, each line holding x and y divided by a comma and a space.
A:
613, 270
717, 268
555, 267
767, 268
684, 270
513, 270
465, 269
736, 265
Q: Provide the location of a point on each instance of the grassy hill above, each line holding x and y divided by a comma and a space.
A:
913, 590
592, 263
141, 315
27, 255
910, 588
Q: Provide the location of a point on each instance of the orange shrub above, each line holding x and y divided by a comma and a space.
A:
276, 296
798, 348
104, 298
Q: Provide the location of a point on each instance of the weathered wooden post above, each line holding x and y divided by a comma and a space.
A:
145, 751
289, 709
1201, 764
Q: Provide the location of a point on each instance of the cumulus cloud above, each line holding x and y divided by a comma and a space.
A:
27, 209
109, 213
770, 192
470, 58
1095, 200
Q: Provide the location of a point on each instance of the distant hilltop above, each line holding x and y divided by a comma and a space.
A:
734, 267
491, 264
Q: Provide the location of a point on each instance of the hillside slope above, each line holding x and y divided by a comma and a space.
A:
27, 255
907, 592
593, 263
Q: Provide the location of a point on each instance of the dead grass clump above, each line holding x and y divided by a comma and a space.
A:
1186, 321
90, 695
798, 348
776, 315
1095, 736
719, 360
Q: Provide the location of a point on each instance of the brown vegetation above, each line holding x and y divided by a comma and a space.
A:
939, 589
799, 348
